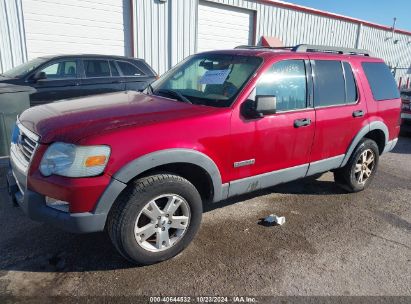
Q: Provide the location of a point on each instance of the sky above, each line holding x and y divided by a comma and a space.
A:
377, 11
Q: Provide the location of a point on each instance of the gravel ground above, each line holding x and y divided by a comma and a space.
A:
332, 243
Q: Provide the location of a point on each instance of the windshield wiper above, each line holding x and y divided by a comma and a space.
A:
174, 94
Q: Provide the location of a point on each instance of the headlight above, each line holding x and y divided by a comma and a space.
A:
74, 161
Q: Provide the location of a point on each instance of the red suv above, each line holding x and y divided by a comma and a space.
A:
219, 124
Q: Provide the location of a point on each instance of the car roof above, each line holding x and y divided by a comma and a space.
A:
268, 53
102, 56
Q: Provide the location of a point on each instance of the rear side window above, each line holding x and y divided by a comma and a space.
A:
287, 81
329, 83
129, 69
382, 83
96, 68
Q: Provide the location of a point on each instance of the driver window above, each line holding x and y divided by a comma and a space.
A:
287, 81
61, 69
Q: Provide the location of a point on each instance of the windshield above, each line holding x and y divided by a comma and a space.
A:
207, 79
24, 68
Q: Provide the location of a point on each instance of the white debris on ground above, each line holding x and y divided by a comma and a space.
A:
274, 220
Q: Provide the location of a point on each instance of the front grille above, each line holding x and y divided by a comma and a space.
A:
26, 146
23, 146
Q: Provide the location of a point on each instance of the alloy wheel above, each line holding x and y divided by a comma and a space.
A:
364, 166
162, 222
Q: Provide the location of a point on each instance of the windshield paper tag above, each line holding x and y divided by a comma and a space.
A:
214, 77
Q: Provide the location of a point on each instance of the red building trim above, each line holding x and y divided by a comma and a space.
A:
331, 15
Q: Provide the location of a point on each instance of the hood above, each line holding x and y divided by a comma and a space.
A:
72, 120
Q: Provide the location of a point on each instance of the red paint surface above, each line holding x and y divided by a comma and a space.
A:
134, 124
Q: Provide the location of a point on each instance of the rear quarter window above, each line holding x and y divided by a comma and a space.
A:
382, 82
129, 69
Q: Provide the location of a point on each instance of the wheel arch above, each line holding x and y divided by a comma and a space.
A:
376, 130
177, 161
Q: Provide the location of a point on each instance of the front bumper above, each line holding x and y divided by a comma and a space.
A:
34, 206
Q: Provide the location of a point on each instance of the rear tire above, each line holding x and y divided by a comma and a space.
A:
155, 218
360, 169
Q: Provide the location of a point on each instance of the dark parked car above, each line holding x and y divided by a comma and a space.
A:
67, 76
406, 110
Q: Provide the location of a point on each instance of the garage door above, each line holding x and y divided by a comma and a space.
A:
223, 26
75, 26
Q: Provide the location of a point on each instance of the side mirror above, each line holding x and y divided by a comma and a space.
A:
262, 105
39, 76
265, 104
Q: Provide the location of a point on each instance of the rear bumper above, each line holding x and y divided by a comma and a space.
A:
390, 145
406, 116
34, 206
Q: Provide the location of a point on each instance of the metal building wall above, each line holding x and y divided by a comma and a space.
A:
12, 38
76, 26
395, 49
166, 31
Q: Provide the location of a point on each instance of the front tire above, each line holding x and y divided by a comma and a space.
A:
360, 170
155, 218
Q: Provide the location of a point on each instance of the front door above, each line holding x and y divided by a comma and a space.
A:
275, 148
62, 82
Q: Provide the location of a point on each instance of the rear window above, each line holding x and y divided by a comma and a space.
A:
382, 83
329, 83
96, 68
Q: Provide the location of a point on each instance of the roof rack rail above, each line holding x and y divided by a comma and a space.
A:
330, 49
311, 48
256, 47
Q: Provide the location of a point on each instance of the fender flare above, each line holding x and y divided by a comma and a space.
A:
375, 125
155, 159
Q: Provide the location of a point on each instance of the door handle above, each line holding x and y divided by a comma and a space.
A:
302, 122
359, 113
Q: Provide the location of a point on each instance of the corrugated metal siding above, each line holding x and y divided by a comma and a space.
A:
165, 32
12, 39
291, 26
395, 49
294, 27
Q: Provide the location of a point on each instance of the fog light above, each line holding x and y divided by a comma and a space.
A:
57, 204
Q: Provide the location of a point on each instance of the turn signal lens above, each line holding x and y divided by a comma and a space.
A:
98, 160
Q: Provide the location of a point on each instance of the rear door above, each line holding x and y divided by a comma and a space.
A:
136, 75
341, 112
62, 82
100, 76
